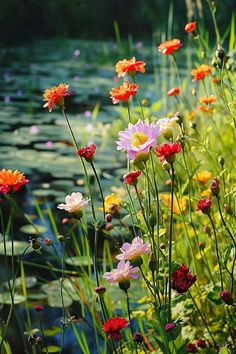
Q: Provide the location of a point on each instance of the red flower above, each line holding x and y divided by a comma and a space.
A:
201, 343
173, 92
55, 95
169, 326
11, 180
38, 308
191, 348
87, 152
113, 326
204, 205
123, 92
182, 279
131, 177
169, 47
190, 27
167, 151
226, 296
201, 72
129, 66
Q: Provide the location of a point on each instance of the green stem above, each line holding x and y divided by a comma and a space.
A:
129, 315
42, 331
100, 188
170, 241
62, 297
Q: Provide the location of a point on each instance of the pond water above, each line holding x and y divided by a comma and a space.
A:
38, 143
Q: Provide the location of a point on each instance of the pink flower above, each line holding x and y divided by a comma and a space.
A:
139, 137
135, 249
74, 202
124, 271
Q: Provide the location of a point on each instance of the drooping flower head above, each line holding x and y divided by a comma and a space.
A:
201, 72
190, 27
168, 151
204, 205
74, 204
11, 180
139, 137
168, 47
182, 279
55, 95
87, 152
131, 178
113, 326
173, 92
123, 92
135, 249
130, 67
123, 272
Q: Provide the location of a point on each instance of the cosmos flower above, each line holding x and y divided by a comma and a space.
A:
182, 279
130, 67
168, 47
190, 27
139, 137
131, 178
123, 92
135, 249
113, 326
123, 272
74, 203
55, 95
201, 72
11, 180
173, 92
167, 151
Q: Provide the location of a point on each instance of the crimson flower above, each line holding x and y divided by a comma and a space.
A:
173, 92
167, 151
113, 326
169, 326
38, 308
204, 205
201, 343
226, 296
168, 47
123, 92
190, 27
131, 178
182, 279
191, 348
87, 152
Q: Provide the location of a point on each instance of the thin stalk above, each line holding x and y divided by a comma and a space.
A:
100, 188
217, 252
42, 331
128, 109
62, 297
129, 315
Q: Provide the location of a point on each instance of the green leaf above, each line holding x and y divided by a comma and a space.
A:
214, 295
51, 349
81, 261
50, 332
224, 350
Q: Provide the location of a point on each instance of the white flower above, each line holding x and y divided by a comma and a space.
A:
74, 202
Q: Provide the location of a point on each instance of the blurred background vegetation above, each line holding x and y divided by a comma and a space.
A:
24, 21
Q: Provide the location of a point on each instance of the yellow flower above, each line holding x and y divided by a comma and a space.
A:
206, 193
202, 176
112, 203
179, 204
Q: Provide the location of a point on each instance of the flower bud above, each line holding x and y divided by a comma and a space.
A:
215, 186
221, 160
108, 218
207, 230
166, 166
152, 263
61, 238
227, 209
108, 227
220, 55
38, 308
169, 326
100, 290
202, 245
226, 296
35, 244
201, 343
138, 338
47, 242
124, 285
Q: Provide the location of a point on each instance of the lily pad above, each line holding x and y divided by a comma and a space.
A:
81, 261
5, 298
51, 349
33, 230
19, 248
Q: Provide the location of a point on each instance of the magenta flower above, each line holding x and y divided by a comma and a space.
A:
123, 272
139, 137
135, 249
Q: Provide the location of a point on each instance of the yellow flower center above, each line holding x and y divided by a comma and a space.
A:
138, 139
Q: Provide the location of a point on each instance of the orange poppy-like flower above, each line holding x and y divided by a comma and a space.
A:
202, 176
55, 95
173, 92
215, 80
208, 100
123, 92
11, 180
201, 72
206, 109
169, 47
129, 66
190, 27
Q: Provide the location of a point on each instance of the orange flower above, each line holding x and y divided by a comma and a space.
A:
130, 67
200, 73
123, 92
206, 109
169, 47
173, 92
202, 176
190, 27
55, 95
215, 80
11, 180
208, 99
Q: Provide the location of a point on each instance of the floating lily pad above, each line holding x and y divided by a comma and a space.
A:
51, 349
81, 261
5, 298
19, 248
31, 230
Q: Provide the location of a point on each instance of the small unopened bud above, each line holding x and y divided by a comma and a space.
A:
201, 343
138, 338
61, 238
144, 102
38, 308
194, 92
202, 245
215, 186
227, 209
162, 246
35, 244
169, 326
109, 218
47, 242
108, 227
221, 160
226, 296
166, 166
152, 263
207, 230
100, 290
167, 134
